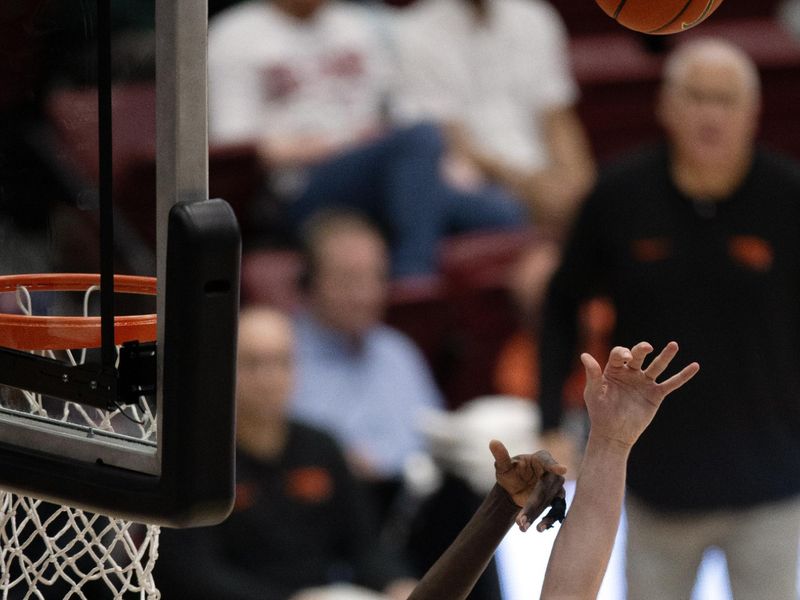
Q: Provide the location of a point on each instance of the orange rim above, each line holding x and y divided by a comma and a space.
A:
23, 332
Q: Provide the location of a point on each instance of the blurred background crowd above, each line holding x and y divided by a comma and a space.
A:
408, 175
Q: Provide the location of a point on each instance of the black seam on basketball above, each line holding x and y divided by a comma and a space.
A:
619, 8
675, 18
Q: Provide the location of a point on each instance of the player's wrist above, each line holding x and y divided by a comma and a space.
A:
609, 444
502, 497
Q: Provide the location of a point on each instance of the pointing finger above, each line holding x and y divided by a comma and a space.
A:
502, 459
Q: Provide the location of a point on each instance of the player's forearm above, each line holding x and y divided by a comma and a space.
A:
454, 575
583, 546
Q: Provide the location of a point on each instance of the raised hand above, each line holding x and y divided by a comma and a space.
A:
624, 398
533, 481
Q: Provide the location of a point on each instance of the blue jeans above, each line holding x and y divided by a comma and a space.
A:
396, 182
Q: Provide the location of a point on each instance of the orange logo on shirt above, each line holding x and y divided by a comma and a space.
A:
751, 251
651, 249
309, 484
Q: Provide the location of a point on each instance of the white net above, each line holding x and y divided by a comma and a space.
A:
54, 551
51, 551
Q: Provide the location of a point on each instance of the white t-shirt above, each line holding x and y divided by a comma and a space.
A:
496, 77
273, 75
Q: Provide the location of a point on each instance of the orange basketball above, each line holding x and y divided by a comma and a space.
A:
659, 16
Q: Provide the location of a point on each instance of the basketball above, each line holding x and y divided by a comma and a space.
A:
659, 17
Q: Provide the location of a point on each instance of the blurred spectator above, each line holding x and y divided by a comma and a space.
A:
307, 81
362, 380
698, 241
497, 74
300, 521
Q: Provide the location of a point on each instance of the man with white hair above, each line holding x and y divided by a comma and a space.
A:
700, 239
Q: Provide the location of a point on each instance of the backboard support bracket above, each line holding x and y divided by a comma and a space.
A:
88, 384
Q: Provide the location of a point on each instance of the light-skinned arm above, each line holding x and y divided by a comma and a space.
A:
622, 401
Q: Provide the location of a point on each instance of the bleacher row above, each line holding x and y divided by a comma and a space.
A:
460, 317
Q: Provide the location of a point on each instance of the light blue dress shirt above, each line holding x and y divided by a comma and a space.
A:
368, 395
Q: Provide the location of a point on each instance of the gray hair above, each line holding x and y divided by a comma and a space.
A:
711, 50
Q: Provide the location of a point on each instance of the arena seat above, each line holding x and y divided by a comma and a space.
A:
420, 308
483, 258
234, 174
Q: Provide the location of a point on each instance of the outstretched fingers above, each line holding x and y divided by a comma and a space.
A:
661, 362
677, 380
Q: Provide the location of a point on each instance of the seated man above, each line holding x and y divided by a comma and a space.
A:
363, 381
496, 73
305, 81
622, 401
300, 522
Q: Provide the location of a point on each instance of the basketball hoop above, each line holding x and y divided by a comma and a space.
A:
50, 548
30, 332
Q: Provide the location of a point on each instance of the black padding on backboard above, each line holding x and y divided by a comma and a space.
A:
196, 483
202, 307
